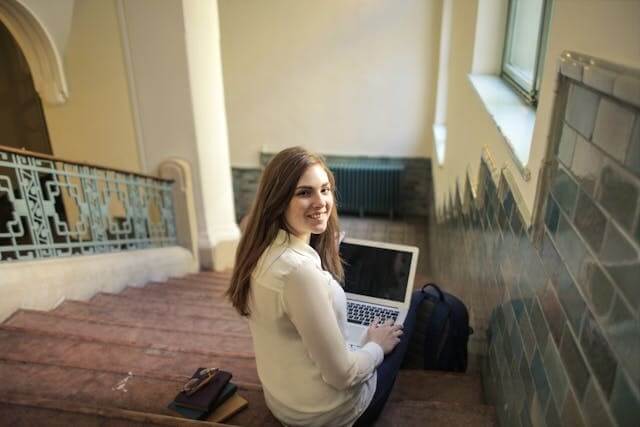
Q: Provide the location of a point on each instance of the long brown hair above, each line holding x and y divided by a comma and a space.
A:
267, 217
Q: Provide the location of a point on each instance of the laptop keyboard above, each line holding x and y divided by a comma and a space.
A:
364, 314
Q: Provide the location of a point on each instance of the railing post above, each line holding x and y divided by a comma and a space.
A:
186, 227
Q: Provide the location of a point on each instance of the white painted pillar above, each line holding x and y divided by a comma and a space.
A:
172, 52
202, 33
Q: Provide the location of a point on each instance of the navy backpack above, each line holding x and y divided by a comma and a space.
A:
441, 333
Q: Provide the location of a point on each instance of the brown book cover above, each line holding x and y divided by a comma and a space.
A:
229, 408
204, 398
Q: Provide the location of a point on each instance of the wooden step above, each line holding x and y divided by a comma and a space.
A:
164, 306
222, 281
62, 350
19, 411
72, 366
430, 413
124, 316
144, 295
102, 389
239, 346
189, 285
203, 291
197, 281
175, 293
211, 274
438, 386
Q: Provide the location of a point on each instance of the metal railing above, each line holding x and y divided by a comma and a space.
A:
51, 207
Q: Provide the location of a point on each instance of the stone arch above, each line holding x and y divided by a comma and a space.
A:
39, 50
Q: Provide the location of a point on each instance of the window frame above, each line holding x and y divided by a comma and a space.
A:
507, 73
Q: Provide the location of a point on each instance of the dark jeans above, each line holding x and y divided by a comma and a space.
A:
388, 369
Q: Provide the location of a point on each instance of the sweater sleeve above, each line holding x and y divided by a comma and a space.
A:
309, 308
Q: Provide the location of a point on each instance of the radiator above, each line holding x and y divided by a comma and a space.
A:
367, 187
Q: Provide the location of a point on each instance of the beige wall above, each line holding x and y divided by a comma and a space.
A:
340, 77
606, 29
95, 124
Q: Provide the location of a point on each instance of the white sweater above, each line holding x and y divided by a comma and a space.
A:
298, 319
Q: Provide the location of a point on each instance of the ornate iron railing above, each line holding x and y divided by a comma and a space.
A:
51, 207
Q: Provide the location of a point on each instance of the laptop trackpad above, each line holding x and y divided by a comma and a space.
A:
356, 334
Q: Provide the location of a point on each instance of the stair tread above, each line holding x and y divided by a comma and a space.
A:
61, 350
168, 308
174, 293
451, 414
160, 333
152, 338
148, 319
188, 285
438, 386
192, 284
128, 391
201, 281
172, 304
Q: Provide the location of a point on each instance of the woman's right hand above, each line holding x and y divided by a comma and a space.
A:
386, 334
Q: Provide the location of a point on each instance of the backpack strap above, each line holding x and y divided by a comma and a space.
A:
436, 287
435, 328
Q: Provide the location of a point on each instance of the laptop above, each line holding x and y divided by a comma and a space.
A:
378, 283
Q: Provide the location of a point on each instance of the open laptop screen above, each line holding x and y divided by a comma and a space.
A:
375, 272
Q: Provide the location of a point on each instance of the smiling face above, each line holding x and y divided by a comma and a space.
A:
311, 204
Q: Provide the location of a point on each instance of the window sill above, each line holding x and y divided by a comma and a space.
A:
514, 119
440, 141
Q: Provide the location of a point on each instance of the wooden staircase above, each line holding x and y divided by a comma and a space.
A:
118, 360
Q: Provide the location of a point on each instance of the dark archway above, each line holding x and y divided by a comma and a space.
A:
22, 121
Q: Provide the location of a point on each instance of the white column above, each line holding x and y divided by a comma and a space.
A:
202, 33
175, 74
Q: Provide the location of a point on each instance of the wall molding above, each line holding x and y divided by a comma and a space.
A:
44, 59
125, 43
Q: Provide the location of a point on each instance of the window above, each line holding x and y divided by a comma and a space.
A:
525, 43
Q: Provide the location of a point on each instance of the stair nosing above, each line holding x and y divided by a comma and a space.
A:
106, 412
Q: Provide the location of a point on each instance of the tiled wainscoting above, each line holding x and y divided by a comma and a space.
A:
245, 184
559, 301
415, 183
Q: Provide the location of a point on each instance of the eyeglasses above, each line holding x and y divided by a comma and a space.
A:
203, 378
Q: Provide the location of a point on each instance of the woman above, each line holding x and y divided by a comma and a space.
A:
284, 281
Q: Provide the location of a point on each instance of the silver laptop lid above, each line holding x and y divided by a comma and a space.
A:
378, 272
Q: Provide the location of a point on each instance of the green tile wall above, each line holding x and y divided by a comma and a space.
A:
559, 301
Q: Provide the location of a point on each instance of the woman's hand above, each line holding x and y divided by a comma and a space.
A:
386, 334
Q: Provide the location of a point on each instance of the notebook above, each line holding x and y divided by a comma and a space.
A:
378, 282
229, 408
207, 395
199, 414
